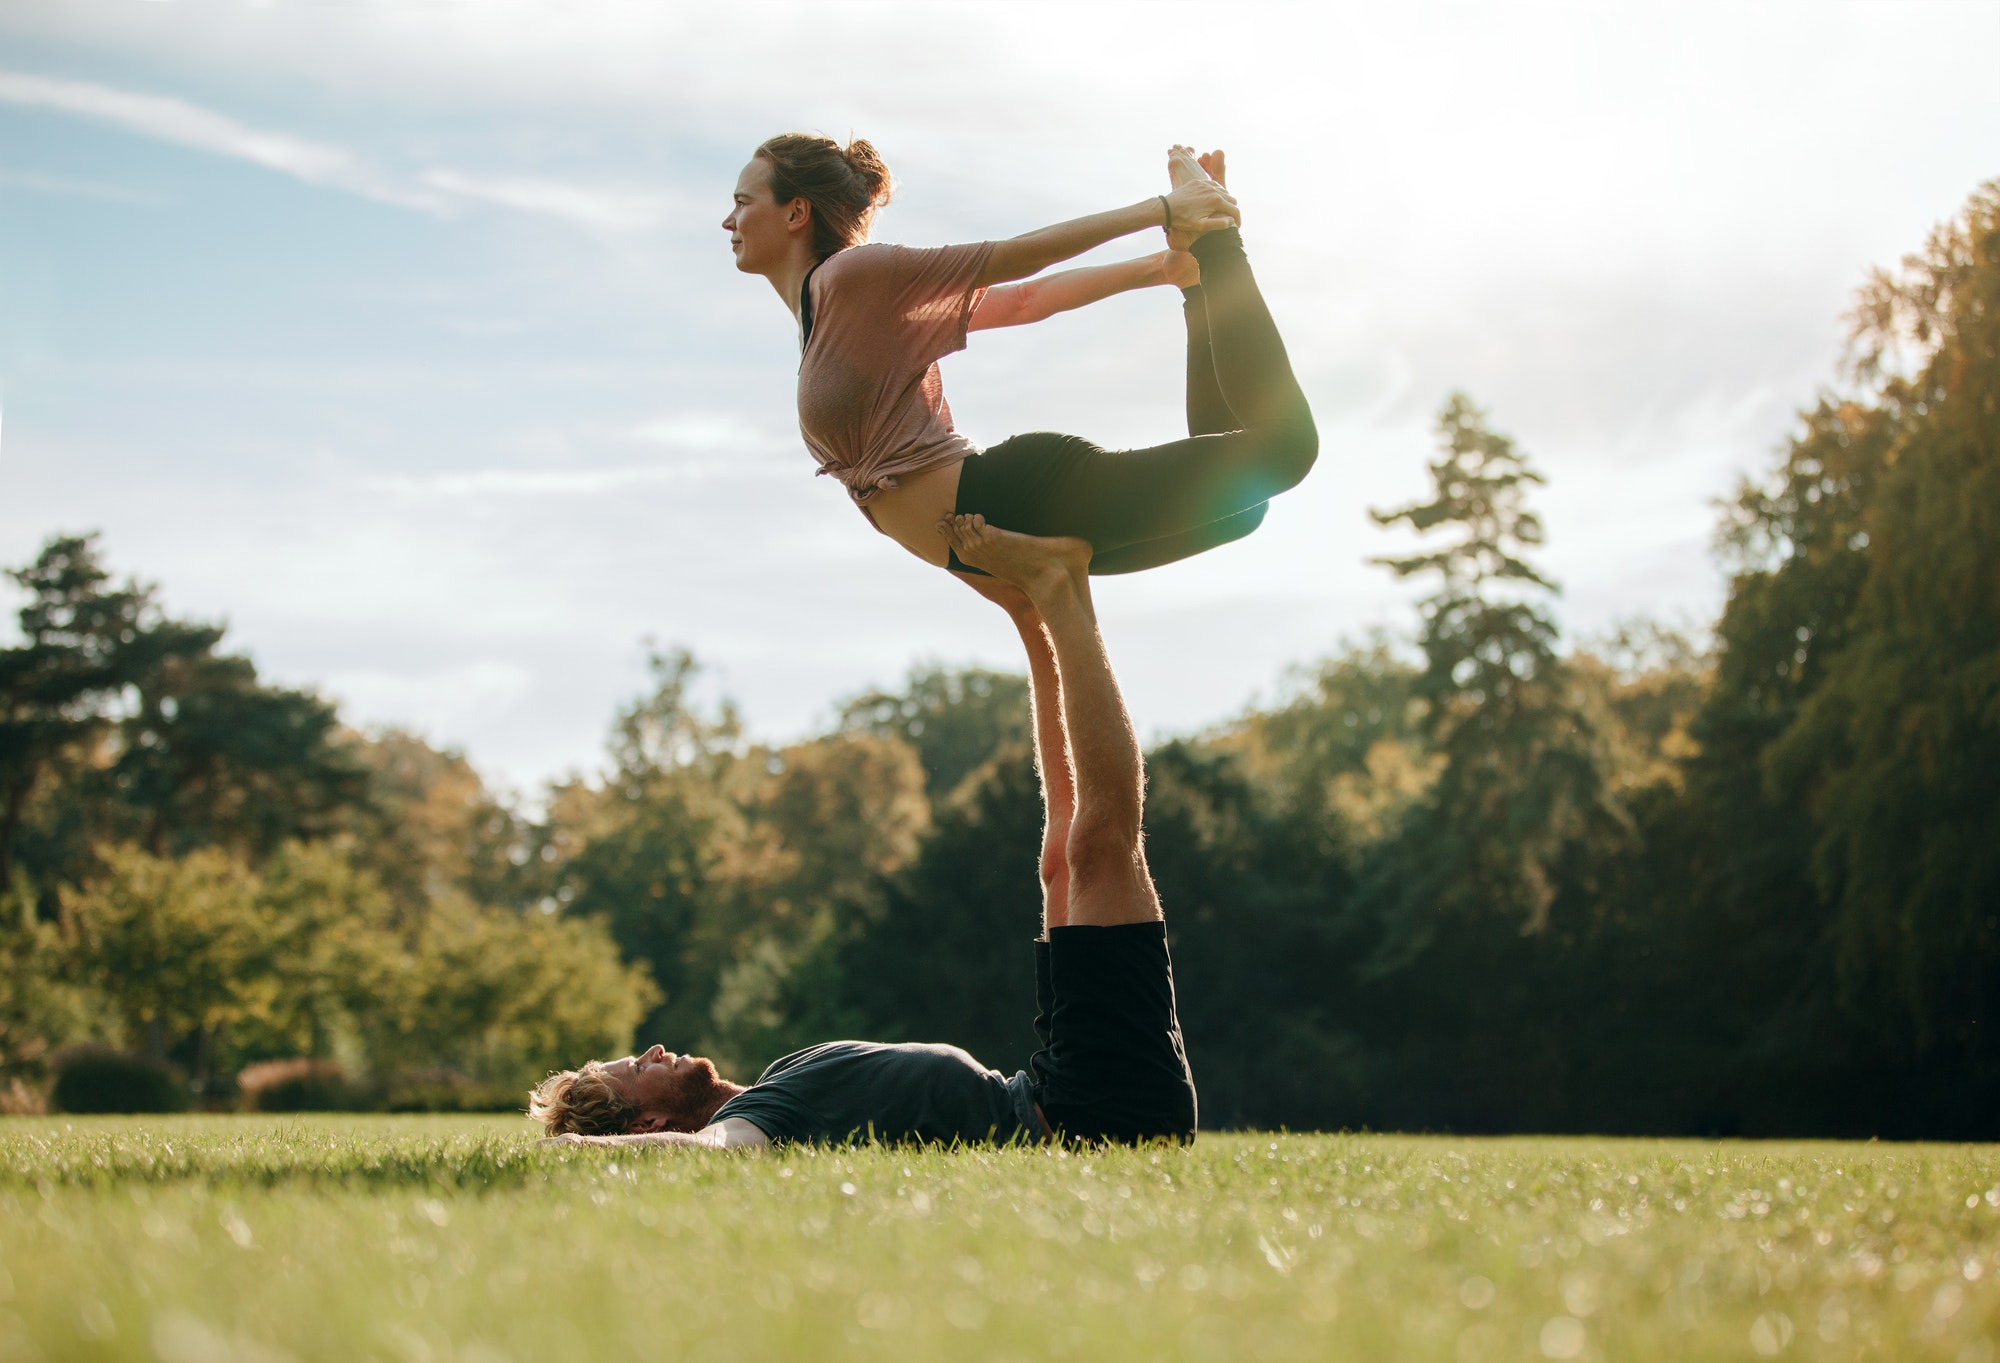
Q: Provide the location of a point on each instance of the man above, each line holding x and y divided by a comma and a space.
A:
1111, 1067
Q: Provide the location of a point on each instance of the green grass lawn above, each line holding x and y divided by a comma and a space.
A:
451, 1240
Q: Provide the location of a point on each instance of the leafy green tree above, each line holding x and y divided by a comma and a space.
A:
1345, 744
212, 757
956, 718
656, 851
41, 1010
335, 937
430, 827
841, 814
180, 948
1522, 781
947, 956
1821, 891
731, 870
499, 997
1896, 753
1256, 890
120, 724
59, 689
1644, 685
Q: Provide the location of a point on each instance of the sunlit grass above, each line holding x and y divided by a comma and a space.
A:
440, 1239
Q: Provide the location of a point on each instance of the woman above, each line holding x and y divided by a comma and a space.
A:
874, 320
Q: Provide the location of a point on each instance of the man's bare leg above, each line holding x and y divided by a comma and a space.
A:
1108, 880
1052, 760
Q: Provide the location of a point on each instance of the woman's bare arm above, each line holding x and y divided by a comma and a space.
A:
1031, 300
1201, 205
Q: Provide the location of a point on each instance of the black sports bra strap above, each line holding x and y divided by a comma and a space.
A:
806, 301
806, 308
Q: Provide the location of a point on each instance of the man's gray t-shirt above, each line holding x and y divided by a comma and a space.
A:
858, 1090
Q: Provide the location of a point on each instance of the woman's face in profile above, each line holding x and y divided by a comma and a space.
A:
758, 226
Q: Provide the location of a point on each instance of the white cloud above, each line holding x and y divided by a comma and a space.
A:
190, 125
701, 431
478, 483
75, 189
439, 190
453, 699
1628, 230
601, 208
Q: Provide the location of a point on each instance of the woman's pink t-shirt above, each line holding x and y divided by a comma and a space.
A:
871, 404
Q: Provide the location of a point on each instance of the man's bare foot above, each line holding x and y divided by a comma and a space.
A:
1044, 568
1003, 594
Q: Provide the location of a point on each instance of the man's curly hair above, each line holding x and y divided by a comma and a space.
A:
581, 1101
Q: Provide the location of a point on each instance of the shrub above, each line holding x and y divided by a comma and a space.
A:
110, 1081
18, 1099
303, 1086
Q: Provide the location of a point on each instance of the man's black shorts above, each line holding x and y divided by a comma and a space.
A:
1112, 1066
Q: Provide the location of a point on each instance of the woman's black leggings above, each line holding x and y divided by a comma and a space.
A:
1250, 437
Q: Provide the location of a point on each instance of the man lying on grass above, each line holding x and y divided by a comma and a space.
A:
1111, 1066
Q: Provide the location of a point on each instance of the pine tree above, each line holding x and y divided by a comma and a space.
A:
1523, 780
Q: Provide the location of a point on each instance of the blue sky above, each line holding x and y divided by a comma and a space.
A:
403, 336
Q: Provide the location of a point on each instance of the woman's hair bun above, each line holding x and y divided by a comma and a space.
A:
866, 162
844, 185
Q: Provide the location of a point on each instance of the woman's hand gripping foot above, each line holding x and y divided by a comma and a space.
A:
1197, 203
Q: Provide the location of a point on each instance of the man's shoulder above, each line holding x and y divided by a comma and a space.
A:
812, 1055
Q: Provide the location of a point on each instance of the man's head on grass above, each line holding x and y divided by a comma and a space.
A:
655, 1090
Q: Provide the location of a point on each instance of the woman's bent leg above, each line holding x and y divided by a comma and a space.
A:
1136, 558
1251, 366
1047, 484
1055, 485
1207, 410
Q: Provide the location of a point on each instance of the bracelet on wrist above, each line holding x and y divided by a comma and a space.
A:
1167, 211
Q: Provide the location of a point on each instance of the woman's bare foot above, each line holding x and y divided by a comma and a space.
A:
1213, 164
1182, 270
1041, 567
1183, 167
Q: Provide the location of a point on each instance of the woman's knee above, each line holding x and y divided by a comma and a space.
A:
1289, 448
1299, 446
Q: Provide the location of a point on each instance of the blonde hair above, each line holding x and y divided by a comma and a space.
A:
582, 1101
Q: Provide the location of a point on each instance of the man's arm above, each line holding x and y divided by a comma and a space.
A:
1199, 205
1014, 305
731, 1133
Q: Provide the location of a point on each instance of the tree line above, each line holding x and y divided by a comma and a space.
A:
1470, 877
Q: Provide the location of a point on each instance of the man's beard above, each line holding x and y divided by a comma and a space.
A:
694, 1097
